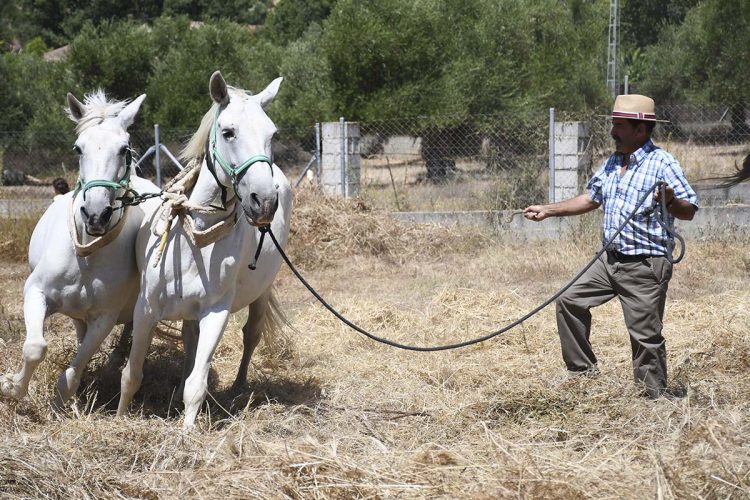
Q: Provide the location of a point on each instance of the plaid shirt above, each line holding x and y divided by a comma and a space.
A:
620, 194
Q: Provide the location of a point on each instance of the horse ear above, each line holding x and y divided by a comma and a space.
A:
76, 110
127, 115
218, 89
267, 95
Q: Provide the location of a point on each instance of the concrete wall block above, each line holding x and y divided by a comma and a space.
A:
331, 158
567, 162
564, 193
566, 178
571, 129
568, 146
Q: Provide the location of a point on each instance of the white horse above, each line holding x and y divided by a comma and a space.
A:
81, 252
204, 282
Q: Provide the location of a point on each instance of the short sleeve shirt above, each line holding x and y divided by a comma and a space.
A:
619, 196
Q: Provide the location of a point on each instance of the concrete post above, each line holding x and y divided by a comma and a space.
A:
334, 180
571, 159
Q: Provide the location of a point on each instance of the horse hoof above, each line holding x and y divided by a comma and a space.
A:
10, 389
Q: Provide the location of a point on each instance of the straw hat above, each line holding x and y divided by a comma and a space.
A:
635, 107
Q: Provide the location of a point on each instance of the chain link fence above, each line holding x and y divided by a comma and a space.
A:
413, 164
429, 164
502, 162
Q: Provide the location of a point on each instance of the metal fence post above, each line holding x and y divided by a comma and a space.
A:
551, 155
317, 154
158, 153
342, 142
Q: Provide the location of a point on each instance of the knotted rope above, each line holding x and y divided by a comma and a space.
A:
177, 205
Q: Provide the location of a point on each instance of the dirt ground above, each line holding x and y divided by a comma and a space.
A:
327, 413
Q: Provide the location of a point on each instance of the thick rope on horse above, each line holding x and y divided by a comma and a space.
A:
177, 205
658, 210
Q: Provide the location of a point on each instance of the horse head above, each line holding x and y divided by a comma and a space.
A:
239, 148
104, 156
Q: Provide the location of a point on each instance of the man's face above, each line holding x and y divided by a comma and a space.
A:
629, 135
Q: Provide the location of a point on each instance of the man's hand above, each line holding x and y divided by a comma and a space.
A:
574, 206
668, 194
536, 212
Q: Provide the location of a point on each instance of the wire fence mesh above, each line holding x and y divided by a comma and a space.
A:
429, 164
502, 162
487, 162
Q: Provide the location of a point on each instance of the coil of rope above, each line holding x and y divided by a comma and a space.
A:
659, 211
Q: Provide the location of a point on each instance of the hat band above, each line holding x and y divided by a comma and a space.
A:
633, 115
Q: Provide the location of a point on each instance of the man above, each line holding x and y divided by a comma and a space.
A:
634, 268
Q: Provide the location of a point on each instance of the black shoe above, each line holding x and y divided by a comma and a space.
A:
668, 393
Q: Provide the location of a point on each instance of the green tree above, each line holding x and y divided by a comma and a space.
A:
115, 56
290, 19
438, 57
642, 21
706, 58
307, 95
178, 86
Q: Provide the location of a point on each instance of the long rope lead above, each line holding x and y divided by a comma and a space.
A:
497, 332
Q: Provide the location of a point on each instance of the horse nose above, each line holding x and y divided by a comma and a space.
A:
106, 216
262, 209
265, 205
97, 222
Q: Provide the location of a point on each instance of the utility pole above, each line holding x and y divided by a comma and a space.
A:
613, 46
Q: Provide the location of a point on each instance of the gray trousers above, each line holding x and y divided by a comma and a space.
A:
641, 285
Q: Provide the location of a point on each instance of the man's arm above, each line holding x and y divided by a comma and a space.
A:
573, 206
681, 209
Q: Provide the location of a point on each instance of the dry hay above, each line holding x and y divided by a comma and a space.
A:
339, 416
326, 229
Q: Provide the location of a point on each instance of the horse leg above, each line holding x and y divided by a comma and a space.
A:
212, 327
122, 348
132, 375
190, 344
34, 347
251, 334
96, 331
80, 326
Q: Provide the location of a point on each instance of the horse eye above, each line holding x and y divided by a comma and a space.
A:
123, 150
77, 149
227, 133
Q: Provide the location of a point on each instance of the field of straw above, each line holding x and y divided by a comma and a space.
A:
329, 414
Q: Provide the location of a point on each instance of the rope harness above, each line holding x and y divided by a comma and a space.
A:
177, 205
84, 250
659, 211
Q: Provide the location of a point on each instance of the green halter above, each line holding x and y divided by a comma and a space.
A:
233, 172
123, 183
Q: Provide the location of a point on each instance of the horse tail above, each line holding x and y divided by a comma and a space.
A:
277, 345
740, 175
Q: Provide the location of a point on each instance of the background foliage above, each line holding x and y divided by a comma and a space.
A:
367, 60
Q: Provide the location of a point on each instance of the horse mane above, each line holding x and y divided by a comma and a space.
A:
197, 143
98, 108
195, 147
